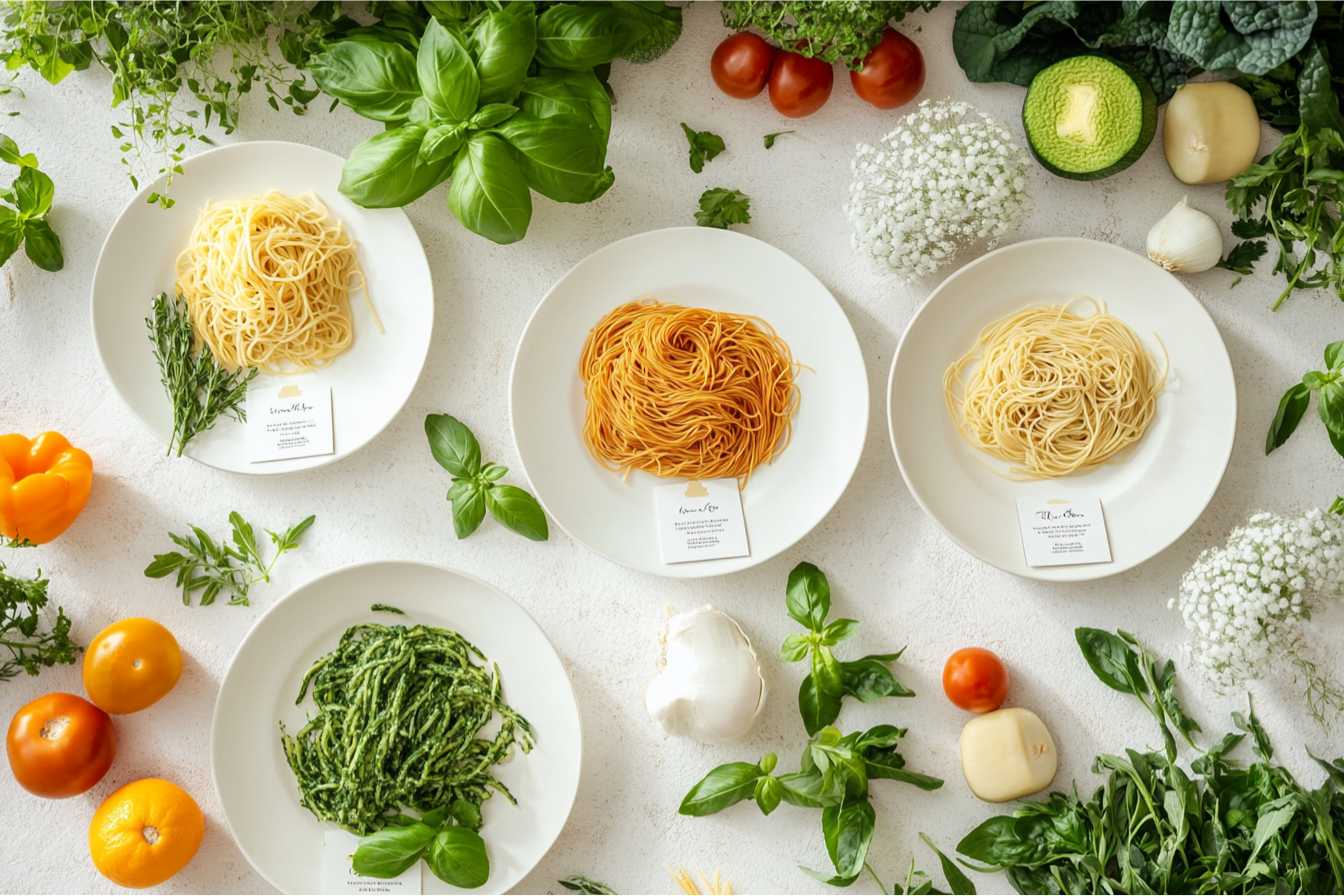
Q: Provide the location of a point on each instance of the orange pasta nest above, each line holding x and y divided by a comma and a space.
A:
686, 392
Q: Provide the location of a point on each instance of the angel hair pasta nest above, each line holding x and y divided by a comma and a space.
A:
947, 177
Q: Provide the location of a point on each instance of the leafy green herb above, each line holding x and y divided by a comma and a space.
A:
769, 139
577, 883
31, 645
1155, 826
23, 211
214, 567
476, 487
704, 146
1337, 506
1242, 257
201, 391
383, 694
721, 207
1328, 384
808, 600
835, 31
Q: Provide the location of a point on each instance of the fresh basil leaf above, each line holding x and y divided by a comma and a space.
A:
466, 813
373, 77
453, 445
722, 787
518, 510
448, 79
957, 881
461, 488
810, 789
817, 708
457, 857
721, 207
503, 44
580, 36
491, 115
434, 818
768, 793
1315, 379
808, 596
795, 647
391, 851
41, 244
1292, 407
440, 142
385, 172
9, 152
848, 831
826, 671
33, 192
1330, 406
11, 233
567, 93
469, 510
704, 146
1334, 356
420, 112
493, 472
488, 192
869, 679
1110, 658
562, 156
839, 630
996, 842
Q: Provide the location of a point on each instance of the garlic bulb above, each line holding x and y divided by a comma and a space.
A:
710, 686
1185, 240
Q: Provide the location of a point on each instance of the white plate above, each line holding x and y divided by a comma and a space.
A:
370, 382
1151, 493
282, 840
710, 268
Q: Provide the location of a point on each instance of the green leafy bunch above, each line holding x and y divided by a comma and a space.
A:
835, 769
23, 212
158, 52
498, 103
31, 646
1328, 384
476, 487
213, 567
836, 31
1155, 826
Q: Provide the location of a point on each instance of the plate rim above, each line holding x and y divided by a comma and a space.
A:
691, 570
341, 570
1078, 572
258, 469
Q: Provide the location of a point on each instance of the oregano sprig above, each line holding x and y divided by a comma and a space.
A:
476, 486
213, 567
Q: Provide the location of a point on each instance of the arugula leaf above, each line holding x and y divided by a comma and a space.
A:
704, 146
721, 207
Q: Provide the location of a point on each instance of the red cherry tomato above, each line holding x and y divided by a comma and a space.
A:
799, 86
975, 679
892, 73
741, 65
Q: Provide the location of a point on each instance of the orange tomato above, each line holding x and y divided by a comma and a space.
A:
131, 664
145, 833
60, 745
975, 679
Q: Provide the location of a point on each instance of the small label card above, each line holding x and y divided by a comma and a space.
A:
339, 877
700, 520
285, 422
1058, 532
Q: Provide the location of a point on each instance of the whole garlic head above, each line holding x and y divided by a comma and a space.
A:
709, 686
1185, 240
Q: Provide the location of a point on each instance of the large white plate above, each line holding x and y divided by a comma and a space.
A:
282, 840
1150, 494
370, 382
711, 268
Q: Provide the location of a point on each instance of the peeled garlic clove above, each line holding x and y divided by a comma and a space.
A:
1185, 240
710, 687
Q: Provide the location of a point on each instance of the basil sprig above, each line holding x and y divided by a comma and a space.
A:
1328, 385
476, 487
23, 211
831, 680
446, 838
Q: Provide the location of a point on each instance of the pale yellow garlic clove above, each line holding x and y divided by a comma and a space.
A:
1211, 132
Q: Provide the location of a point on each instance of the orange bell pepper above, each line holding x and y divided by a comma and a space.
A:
44, 484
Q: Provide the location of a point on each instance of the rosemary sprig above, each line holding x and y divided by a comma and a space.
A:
218, 567
198, 387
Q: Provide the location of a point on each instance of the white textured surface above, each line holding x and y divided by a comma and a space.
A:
889, 564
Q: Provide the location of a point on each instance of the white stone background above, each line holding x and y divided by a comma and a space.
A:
889, 563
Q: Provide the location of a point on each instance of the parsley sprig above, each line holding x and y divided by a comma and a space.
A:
213, 567
721, 207
30, 648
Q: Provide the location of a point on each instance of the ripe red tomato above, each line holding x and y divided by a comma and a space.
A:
892, 73
975, 679
60, 745
799, 86
741, 65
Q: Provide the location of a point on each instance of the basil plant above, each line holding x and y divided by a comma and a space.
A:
506, 105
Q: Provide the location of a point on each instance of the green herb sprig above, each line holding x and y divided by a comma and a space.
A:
23, 211
213, 567
200, 390
29, 645
476, 487
578, 883
721, 207
831, 680
704, 146
768, 141
447, 838
1328, 384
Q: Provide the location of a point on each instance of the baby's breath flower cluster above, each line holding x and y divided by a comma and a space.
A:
1244, 602
946, 178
